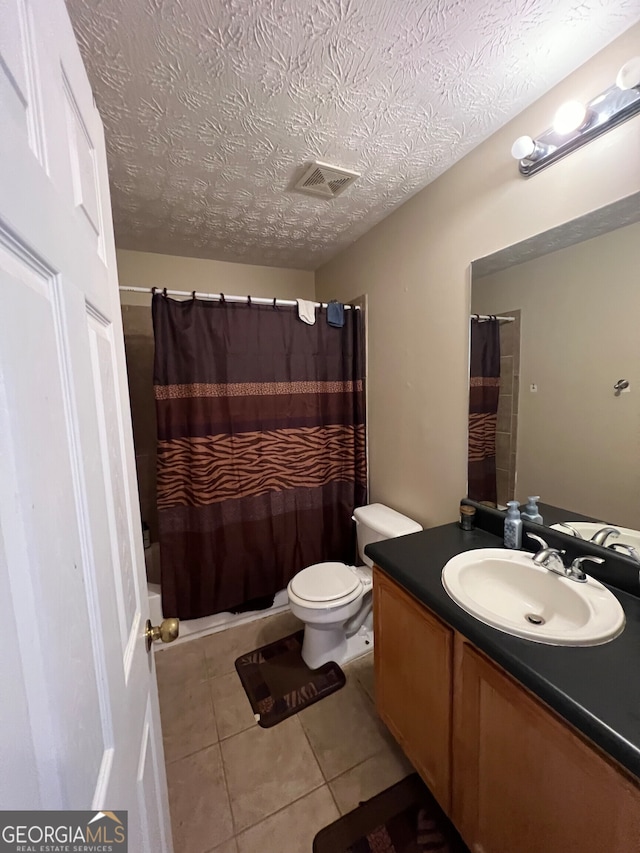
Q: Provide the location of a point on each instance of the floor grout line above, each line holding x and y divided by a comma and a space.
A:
281, 809
213, 710
241, 731
226, 788
313, 752
335, 802
191, 754
328, 781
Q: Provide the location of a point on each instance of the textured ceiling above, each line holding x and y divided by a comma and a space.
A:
618, 214
212, 106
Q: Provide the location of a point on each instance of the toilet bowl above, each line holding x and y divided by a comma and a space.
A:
334, 600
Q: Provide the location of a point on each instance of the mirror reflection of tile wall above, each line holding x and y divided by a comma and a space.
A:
507, 424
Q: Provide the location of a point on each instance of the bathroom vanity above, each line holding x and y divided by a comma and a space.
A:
528, 748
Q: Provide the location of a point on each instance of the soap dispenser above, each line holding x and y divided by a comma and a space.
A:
513, 526
531, 512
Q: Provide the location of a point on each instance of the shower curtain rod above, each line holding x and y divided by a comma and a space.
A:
489, 316
260, 300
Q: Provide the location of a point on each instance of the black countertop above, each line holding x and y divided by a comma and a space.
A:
596, 688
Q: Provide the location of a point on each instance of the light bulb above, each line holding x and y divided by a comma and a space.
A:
523, 147
629, 75
570, 116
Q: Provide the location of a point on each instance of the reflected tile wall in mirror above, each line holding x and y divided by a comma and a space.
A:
507, 421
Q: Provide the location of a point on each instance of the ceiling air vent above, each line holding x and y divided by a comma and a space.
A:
325, 180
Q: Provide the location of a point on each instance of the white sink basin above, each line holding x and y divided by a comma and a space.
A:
588, 528
507, 590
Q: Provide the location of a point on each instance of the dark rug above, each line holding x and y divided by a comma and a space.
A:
403, 819
279, 683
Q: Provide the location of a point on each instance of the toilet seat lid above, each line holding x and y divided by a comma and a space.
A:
324, 582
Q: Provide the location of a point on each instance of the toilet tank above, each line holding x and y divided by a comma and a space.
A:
376, 522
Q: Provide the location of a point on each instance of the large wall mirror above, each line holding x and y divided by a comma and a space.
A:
572, 299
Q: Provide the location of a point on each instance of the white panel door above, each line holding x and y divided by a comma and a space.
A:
79, 723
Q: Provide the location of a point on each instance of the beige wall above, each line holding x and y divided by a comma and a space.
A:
148, 269
577, 440
415, 268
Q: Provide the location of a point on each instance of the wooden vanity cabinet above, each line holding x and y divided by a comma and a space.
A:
524, 781
521, 779
413, 682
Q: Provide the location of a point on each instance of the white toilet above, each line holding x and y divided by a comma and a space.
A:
334, 600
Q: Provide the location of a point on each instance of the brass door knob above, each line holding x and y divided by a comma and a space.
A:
167, 631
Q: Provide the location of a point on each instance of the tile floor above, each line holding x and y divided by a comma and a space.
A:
237, 788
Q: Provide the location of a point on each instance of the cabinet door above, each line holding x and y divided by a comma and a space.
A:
413, 660
524, 780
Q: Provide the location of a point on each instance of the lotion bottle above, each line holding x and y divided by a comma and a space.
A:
513, 526
531, 512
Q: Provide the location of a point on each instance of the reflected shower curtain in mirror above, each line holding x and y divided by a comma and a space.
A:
261, 448
484, 390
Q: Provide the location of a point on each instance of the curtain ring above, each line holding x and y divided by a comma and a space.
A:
249, 301
275, 307
222, 299
153, 291
164, 292
193, 295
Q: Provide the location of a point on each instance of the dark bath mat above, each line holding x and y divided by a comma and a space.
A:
403, 819
279, 683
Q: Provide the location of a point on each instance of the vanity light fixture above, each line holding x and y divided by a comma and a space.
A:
526, 148
572, 115
575, 123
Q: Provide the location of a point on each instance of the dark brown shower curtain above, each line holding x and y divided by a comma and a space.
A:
261, 448
484, 381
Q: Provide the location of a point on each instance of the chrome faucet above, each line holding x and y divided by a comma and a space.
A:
551, 559
600, 536
548, 558
631, 551
575, 572
575, 532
